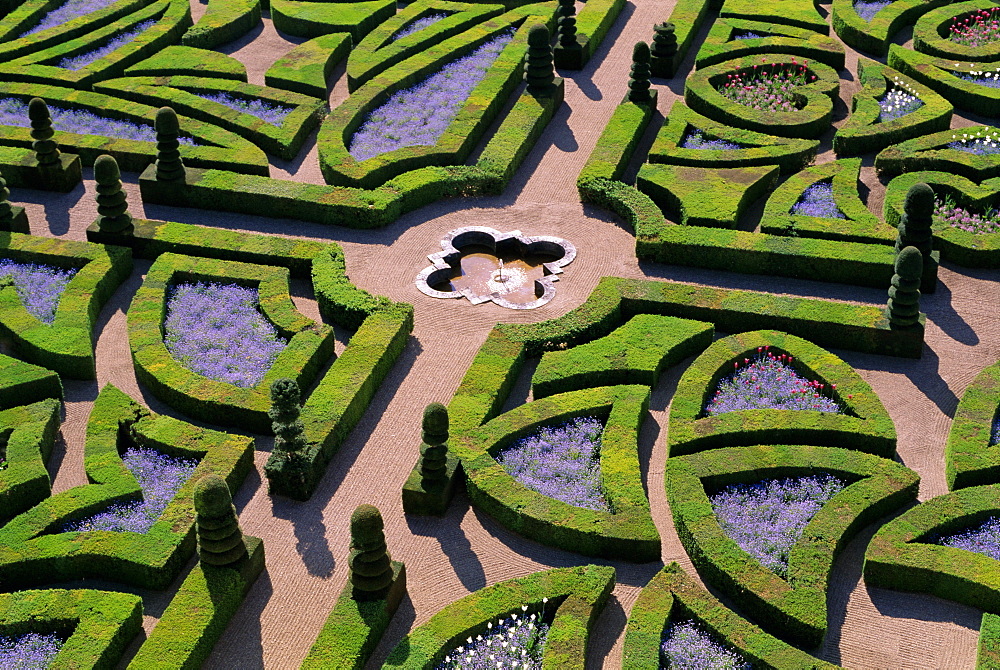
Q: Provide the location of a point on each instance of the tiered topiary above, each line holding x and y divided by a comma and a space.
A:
369, 562
45, 148
434, 451
6, 209
112, 209
169, 166
286, 404
220, 540
538, 70
567, 24
914, 229
904, 294
664, 49
638, 83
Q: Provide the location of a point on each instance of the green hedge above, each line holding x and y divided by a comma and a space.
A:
314, 19
617, 142
23, 383
34, 551
27, 434
800, 13
720, 45
99, 624
969, 457
183, 94
626, 532
635, 353
793, 609
931, 152
174, 60
306, 68
65, 345
860, 225
17, 20
864, 133
688, 17
222, 22
672, 596
864, 424
593, 23
961, 247
758, 148
309, 346
810, 120
942, 75
576, 594
873, 37
19, 168
931, 27
988, 652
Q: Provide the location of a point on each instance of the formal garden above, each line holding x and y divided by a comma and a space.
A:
470, 334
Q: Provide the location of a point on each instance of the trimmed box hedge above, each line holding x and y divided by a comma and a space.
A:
223, 22
688, 17
930, 33
27, 434
721, 45
800, 13
313, 19
306, 68
873, 36
191, 61
19, 167
23, 383
970, 458
931, 152
942, 75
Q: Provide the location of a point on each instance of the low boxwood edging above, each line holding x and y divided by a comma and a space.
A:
800, 13
19, 168
673, 596
617, 142
306, 68
970, 458
222, 22
864, 424
873, 36
719, 44
931, 30
942, 75
931, 152
576, 594
627, 532
174, 60
313, 19
66, 345
23, 383
688, 17
309, 347
792, 609
99, 624
27, 434
34, 551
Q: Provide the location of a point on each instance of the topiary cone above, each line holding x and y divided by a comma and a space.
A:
538, 72
46, 150
434, 451
111, 205
220, 540
638, 84
369, 561
6, 209
664, 40
918, 216
169, 166
904, 293
566, 26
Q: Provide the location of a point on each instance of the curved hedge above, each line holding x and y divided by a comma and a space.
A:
27, 434
860, 225
174, 60
309, 347
34, 551
810, 120
23, 383
800, 13
720, 46
970, 459
222, 22
864, 424
306, 67
873, 37
576, 593
930, 34
931, 152
672, 595
65, 345
793, 608
314, 19
942, 75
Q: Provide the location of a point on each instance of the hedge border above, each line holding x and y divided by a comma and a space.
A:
927, 38
222, 22
969, 458
799, 13
938, 74
20, 168
672, 593
65, 345
864, 426
23, 383
627, 532
31, 553
314, 19
579, 593
873, 37
307, 67
192, 61
930, 153
27, 433
688, 17
309, 347
793, 609
719, 45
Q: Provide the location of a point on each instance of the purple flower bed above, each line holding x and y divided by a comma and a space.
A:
959, 217
768, 88
982, 77
160, 477
984, 539
687, 646
899, 101
817, 200
115, 43
515, 641
868, 10
418, 25
31, 651
980, 28
561, 462
995, 430
694, 139
38, 286
218, 331
14, 112
767, 381
266, 111
983, 143
748, 35
69, 10
418, 116
766, 519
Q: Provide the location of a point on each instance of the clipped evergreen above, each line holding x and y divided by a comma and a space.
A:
904, 294
6, 209
538, 72
286, 399
915, 225
664, 49
169, 166
638, 83
112, 209
220, 540
567, 24
434, 451
44, 146
369, 562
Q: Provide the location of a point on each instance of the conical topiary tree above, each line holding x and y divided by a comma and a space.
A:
220, 540
169, 166
369, 561
638, 83
112, 209
434, 451
6, 209
566, 26
538, 72
664, 49
286, 400
904, 294
915, 225
44, 146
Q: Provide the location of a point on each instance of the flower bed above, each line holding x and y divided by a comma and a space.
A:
688, 646
30, 651
516, 641
983, 539
115, 43
418, 25
218, 331
69, 10
898, 101
766, 519
38, 286
982, 77
817, 200
868, 10
977, 144
272, 113
769, 88
980, 28
561, 462
947, 212
694, 139
160, 476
